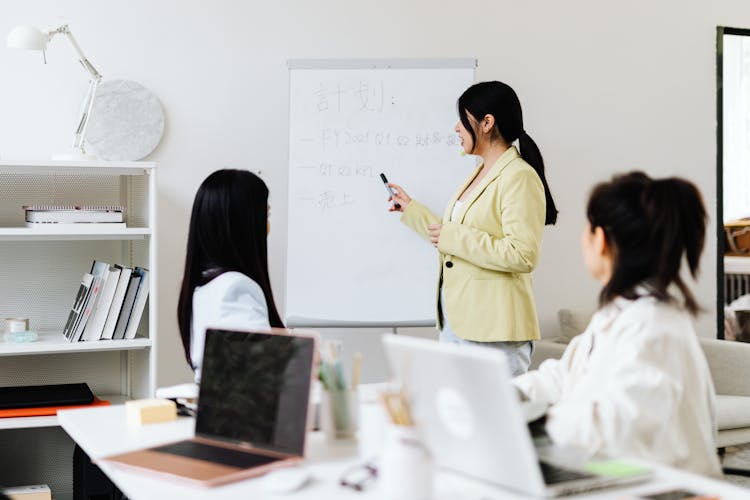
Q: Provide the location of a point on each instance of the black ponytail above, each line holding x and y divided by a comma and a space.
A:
650, 225
532, 155
500, 101
678, 226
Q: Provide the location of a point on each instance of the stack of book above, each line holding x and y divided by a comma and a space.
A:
38, 215
109, 303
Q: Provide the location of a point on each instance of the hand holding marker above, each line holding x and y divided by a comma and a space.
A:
390, 191
399, 196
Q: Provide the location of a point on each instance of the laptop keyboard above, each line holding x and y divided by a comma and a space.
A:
216, 454
553, 474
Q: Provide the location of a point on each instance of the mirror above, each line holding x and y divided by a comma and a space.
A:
733, 183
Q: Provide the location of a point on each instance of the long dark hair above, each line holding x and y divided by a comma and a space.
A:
228, 232
500, 100
650, 224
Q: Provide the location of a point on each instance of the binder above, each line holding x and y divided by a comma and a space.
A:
127, 305
97, 270
139, 304
78, 303
95, 324
117, 302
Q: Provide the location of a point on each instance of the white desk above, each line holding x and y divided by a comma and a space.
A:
104, 431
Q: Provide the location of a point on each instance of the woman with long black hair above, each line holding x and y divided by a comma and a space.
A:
491, 233
226, 282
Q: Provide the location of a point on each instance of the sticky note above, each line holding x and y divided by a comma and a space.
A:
615, 468
149, 411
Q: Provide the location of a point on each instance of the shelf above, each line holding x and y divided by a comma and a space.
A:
65, 232
50, 421
44, 265
736, 265
52, 167
55, 343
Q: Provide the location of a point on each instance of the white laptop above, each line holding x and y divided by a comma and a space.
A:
468, 410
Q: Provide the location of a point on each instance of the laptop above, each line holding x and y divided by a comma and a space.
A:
33, 396
472, 421
252, 410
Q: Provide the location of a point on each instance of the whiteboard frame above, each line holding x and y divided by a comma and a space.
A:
397, 63
400, 63
298, 322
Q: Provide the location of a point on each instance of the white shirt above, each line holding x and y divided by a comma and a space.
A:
456, 208
635, 384
231, 300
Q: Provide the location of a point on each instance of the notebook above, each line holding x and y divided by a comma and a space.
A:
252, 410
463, 400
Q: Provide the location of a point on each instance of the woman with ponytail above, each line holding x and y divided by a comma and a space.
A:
490, 235
226, 283
635, 383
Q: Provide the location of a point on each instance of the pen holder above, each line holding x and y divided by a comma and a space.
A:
338, 413
405, 471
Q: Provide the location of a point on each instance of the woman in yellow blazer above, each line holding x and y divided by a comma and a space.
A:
491, 232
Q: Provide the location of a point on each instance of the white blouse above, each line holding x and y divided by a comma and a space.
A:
231, 300
635, 384
456, 208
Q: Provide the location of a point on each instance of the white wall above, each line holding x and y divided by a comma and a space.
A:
605, 86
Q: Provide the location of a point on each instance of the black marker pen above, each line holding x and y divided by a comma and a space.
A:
385, 181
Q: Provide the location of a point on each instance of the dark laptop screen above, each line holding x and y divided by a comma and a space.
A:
255, 388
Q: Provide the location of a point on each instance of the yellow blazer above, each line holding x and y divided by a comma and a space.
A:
487, 253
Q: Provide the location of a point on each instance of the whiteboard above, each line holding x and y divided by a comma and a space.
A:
349, 261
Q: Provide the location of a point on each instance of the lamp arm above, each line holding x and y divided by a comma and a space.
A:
88, 102
64, 29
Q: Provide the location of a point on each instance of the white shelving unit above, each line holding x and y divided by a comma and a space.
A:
58, 233
55, 342
42, 268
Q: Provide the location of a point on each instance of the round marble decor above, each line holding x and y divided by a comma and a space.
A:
126, 122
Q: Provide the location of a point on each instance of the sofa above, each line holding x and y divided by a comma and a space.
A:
729, 363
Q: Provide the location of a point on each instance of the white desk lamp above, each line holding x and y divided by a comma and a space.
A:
29, 37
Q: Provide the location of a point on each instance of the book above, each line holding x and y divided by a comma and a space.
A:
97, 271
127, 305
40, 411
73, 214
95, 325
139, 304
117, 301
78, 303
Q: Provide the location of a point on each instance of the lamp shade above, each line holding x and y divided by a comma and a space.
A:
27, 37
